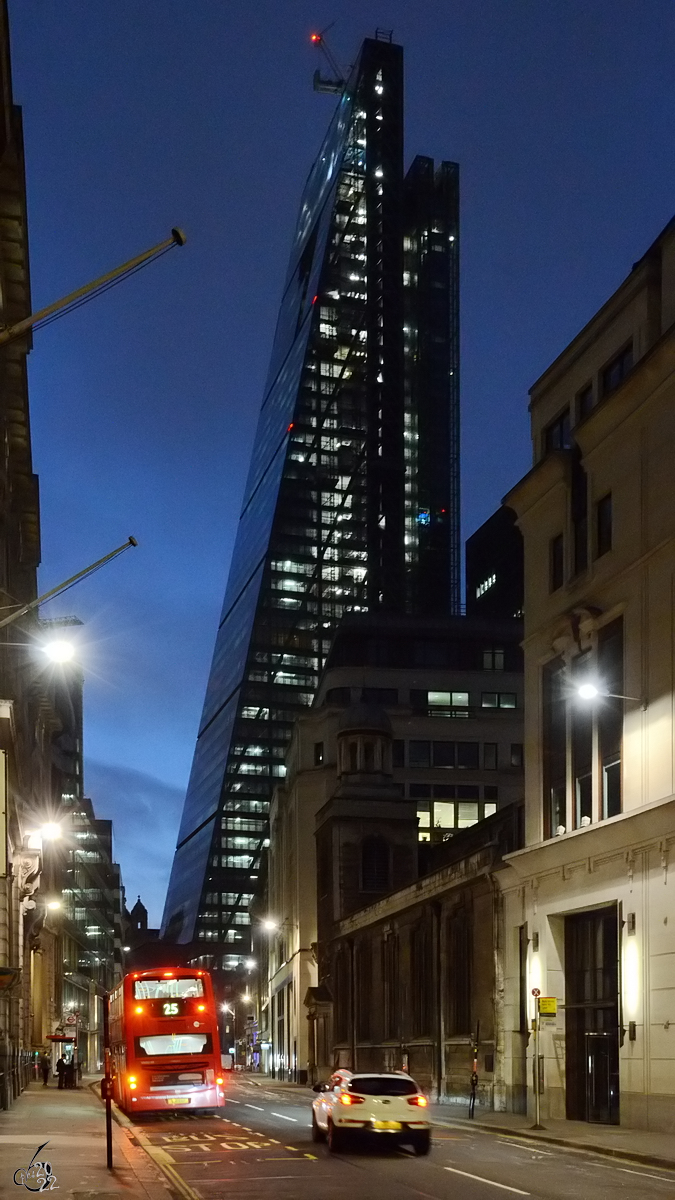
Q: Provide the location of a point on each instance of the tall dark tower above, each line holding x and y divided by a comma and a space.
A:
351, 502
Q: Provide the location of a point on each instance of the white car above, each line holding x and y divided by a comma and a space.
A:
365, 1104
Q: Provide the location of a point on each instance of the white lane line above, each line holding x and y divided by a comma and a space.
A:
481, 1179
255, 1106
284, 1118
644, 1175
526, 1146
230, 1101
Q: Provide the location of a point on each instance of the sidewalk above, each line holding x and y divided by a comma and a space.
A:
73, 1125
615, 1141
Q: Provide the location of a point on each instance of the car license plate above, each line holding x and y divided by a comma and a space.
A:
178, 1100
386, 1125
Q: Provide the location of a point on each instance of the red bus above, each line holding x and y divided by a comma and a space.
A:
164, 1041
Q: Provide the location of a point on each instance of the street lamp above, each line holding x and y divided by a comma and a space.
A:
270, 924
591, 691
59, 651
250, 964
53, 904
51, 830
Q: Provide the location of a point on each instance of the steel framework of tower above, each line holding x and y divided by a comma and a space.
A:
352, 497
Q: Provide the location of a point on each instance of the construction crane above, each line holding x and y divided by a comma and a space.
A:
335, 83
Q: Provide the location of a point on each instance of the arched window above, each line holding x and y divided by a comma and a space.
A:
353, 756
375, 874
369, 757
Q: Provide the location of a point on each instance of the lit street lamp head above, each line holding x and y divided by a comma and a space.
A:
588, 691
53, 904
270, 925
59, 651
50, 831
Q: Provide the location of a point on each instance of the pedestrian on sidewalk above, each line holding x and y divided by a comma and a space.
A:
70, 1073
45, 1068
61, 1071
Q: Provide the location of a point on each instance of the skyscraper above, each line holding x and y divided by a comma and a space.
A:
352, 498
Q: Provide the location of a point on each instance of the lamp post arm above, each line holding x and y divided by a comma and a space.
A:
13, 331
26, 608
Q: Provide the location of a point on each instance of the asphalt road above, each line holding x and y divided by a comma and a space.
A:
261, 1149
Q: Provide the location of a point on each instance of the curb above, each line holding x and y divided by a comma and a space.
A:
161, 1158
634, 1156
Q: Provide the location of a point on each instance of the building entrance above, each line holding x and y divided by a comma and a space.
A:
592, 1016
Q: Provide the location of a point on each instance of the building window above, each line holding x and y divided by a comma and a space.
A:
467, 815
584, 402
554, 746
444, 754
339, 696
444, 815
616, 371
498, 700
467, 755
610, 716
556, 562
581, 721
419, 791
603, 525
398, 752
318, 754
579, 515
387, 697
516, 754
460, 974
493, 660
375, 869
419, 754
489, 756
390, 976
557, 435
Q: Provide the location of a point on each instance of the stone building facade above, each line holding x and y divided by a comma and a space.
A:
589, 904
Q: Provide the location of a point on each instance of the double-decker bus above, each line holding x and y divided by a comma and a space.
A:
164, 1041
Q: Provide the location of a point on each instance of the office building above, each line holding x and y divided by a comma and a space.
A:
495, 567
428, 713
352, 498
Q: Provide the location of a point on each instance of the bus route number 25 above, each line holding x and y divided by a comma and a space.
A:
170, 1009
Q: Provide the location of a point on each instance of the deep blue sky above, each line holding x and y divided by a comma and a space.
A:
143, 114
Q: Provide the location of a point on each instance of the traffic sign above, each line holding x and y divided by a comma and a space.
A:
548, 1006
536, 992
71, 1019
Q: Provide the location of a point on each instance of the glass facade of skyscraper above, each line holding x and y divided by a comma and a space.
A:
351, 502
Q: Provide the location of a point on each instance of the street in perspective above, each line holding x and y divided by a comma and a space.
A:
337, 821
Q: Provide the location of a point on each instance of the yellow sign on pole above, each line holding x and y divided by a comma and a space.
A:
548, 1006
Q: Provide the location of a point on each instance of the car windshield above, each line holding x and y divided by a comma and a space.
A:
382, 1085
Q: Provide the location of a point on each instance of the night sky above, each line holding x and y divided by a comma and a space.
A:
145, 114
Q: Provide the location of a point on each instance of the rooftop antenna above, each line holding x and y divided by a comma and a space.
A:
334, 83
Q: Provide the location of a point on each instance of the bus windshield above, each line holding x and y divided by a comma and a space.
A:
174, 1043
164, 989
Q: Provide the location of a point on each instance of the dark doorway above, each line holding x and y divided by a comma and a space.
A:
592, 1016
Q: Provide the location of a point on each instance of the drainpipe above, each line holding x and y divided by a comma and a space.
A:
499, 1088
352, 1005
440, 1014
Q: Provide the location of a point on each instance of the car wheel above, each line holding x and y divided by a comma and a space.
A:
422, 1143
318, 1134
336, 1139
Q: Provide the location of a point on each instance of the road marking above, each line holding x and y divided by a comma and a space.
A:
526, 1146
255, 1106
481, 1179
229, 1101
284, 1118
312, 1156
295, 1148
644, 1175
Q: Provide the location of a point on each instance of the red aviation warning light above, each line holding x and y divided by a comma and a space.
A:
315, 37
